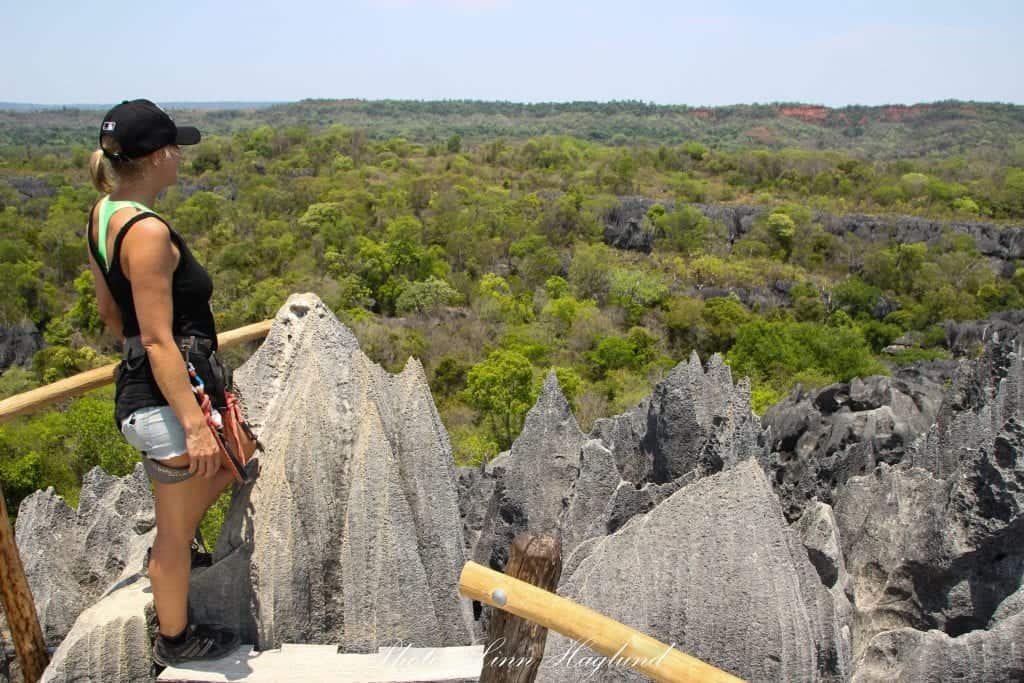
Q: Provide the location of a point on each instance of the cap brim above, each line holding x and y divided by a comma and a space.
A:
187, 135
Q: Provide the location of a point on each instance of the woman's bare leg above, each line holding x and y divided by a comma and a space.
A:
179, 508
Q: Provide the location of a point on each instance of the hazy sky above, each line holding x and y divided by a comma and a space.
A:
697, 53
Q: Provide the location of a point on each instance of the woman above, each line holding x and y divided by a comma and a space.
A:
153, 293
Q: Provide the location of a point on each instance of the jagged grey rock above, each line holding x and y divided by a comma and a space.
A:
822, 438
626, 501
962, 336
1002, 244
631, 235
351, 532
629, 499
31, 187
475, 491
110, 641
533, 480
907, 655
595, 484
700, 421
715, 570
623, 435
761, 299
817, 527
356, 504
1008, 607
694, 420
936, 542
985, 394
929, 552
71, 557
18, 343
820, 537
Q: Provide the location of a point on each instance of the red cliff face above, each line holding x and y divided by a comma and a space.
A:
807, 113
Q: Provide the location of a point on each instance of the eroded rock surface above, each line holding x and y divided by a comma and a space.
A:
963, 336
907, 655
71, 557
18, 343
1003, 245
351, 532
560, 481
715, 570
937, 542
111, 640
822, 438
532, 481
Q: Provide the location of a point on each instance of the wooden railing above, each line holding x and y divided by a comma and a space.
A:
98, 377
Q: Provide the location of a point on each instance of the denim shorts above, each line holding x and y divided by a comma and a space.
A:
156, 432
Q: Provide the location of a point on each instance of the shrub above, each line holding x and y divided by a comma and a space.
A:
684, 230
425, 295
769, 350
722, 318
637, 291
500, 387
590, 272
472, 446
856, 297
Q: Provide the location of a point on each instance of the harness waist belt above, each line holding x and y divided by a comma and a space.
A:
202, 345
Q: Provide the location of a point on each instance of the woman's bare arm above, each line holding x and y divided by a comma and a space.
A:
149, 262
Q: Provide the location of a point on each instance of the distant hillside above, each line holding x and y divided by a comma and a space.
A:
989, 130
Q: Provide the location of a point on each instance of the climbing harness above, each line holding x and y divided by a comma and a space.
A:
234, 436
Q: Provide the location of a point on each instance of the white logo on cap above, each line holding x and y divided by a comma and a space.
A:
109, 125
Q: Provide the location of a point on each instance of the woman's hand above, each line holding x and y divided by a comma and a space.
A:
203, 450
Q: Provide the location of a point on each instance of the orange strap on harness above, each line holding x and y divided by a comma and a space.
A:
234, 437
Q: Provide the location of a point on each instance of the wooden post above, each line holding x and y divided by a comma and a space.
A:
18, 604
623, 645
515, 646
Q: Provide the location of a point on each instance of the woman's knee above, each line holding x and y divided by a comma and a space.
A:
172, 537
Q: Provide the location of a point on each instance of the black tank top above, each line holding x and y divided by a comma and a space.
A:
191, 289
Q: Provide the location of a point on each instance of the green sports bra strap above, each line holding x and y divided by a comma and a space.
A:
107, 209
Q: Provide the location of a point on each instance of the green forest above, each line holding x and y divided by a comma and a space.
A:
471, 236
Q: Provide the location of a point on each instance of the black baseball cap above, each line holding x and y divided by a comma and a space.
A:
141, 127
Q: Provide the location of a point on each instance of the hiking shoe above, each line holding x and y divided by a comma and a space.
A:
201, 643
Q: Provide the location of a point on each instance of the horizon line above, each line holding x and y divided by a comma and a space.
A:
209, 104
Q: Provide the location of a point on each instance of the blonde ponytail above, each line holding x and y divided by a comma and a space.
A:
106, 171
101, 172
